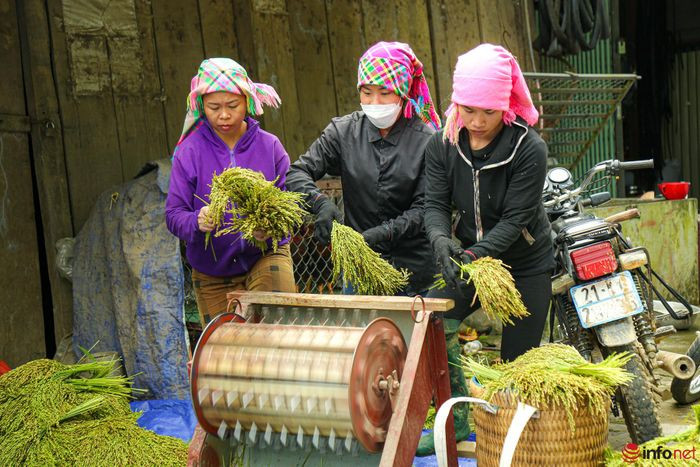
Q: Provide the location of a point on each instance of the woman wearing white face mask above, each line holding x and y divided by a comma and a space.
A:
378, 154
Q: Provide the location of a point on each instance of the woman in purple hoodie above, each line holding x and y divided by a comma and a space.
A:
219, 133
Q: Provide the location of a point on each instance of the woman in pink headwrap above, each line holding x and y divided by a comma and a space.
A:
378, 154
491, 164
219, 133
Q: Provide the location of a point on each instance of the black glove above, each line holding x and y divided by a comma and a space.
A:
326, 212
446, 251
377, 235
463, 276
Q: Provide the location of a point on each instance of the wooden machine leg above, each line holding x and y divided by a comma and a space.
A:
198, 453
424, 375
441, 381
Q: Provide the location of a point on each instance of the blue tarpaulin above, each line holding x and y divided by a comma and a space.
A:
128, 285
167, 417
430, 461
176, 418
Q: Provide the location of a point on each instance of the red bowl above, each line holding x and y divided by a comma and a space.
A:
674, 190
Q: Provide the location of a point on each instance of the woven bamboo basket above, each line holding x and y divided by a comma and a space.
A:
545, 441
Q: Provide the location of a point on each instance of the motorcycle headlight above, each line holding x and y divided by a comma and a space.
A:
633, 259
559, 175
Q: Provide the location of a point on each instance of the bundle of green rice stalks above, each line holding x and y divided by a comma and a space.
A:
255, 204
361, 266
44, 399
555, 375
44, 390
683, 447
495, 288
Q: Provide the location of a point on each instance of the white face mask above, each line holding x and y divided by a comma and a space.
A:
382, 115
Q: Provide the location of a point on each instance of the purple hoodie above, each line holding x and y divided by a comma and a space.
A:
197, 158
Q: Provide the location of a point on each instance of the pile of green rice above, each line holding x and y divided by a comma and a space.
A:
56, 414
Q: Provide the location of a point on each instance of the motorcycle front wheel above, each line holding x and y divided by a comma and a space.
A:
688, 391
637, 401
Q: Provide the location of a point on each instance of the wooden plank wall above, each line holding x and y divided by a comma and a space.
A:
123, 75
47, 153
98, 88
21, 308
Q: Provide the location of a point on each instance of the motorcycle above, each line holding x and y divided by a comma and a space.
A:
602, 291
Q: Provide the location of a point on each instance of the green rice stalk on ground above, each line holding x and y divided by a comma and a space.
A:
56, 414
555, 375
361, 266
111, 441
686, 443
495, 288
255, 204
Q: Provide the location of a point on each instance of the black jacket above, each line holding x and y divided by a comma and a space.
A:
500, 211
383, 183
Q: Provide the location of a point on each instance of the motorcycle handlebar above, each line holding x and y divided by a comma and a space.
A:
605, 166
637, 165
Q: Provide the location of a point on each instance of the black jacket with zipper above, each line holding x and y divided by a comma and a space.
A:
500, 211
383, 184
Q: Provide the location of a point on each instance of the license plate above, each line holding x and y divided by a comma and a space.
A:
606, 300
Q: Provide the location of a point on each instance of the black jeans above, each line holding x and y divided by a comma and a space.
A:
517, 339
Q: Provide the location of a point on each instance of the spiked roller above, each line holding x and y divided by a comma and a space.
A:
317, 378
323, 379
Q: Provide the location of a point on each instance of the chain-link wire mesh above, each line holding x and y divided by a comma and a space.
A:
313, 269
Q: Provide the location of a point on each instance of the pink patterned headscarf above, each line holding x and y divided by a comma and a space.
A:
488, 77
224, 74
393, 65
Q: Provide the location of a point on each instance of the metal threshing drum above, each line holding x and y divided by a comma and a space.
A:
289, 382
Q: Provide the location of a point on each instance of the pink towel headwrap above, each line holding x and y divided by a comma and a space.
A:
488, 77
